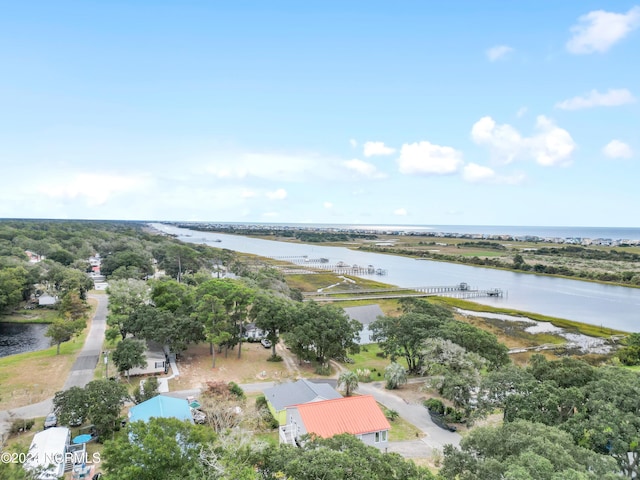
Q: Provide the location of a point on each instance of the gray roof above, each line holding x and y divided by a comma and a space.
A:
302, 391
364, 314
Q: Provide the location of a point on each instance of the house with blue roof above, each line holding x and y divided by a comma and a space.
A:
285, 395
161, 406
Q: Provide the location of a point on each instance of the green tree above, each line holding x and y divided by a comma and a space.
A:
323, 332
129, 353
125, 297
71, 406
395, 375
164, 448
12, 282
73, 307
404, 336
62, 330
106, 399
523, 450
147, 390
341, 457
348, 380
272, 315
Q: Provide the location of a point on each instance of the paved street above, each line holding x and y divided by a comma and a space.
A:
81, 371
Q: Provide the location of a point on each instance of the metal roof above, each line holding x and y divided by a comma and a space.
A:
355, 415
302, 391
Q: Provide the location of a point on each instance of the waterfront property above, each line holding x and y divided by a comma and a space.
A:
365, 314
360, 416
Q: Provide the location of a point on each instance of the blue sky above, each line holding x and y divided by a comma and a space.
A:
366, 112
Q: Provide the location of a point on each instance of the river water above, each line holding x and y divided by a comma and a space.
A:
593, 303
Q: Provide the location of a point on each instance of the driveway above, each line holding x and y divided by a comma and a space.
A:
416, 414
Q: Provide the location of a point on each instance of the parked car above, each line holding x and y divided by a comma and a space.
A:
265, 343
51, 421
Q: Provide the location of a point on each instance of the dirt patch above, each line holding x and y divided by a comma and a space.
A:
195, 367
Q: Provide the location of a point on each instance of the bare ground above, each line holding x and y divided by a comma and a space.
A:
195, 367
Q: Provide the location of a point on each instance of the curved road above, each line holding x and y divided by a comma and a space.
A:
81, 372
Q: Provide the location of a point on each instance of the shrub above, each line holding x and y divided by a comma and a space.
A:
21, 425
236, 390
274, 358
364, 374
261, 402
323, 370
434, 405
391, 414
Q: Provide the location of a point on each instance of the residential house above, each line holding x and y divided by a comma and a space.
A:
161, 406
366, 314
252, 333
360, 416
47, 454
157, 362
284, 395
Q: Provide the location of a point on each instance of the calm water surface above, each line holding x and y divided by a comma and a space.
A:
597, 304
22, 337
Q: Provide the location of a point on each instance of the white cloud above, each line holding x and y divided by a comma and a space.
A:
474, 173
617, 149
598, 31
97, 189
327, 205
401, 212
363, 168
427, 158
353, 142
613, 98
377, 148
550, 146
268, 166
522, 111
505, 141
498, 52
279, 194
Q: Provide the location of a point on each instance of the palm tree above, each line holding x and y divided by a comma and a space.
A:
395, 375
350, 381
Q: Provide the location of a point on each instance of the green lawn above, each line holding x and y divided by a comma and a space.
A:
40, 315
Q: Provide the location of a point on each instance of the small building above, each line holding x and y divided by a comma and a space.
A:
360, 416
252, 333
47, 301
365, 314
48, 453
161, 406
157, 362
293, 393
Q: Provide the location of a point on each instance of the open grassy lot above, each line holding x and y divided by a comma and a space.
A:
31, 377
39, 315
313, 282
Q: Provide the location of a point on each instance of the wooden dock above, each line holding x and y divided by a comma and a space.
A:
461, 290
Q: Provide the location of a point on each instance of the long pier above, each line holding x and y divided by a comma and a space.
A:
461, 290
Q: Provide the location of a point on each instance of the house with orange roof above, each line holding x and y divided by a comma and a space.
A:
360, 416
